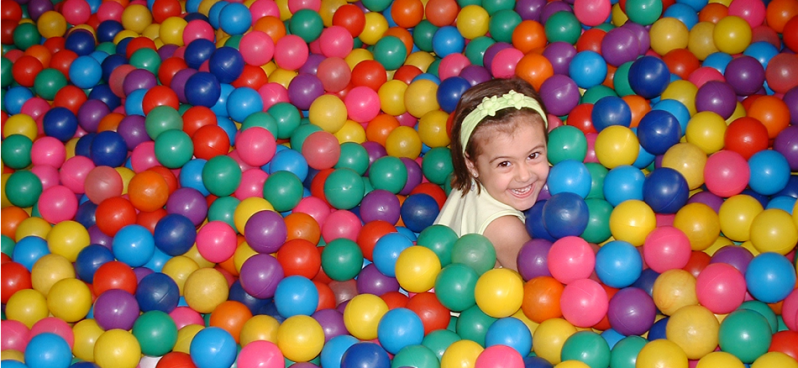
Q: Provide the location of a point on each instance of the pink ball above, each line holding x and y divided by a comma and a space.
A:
362, 104
451, 65
15, 335
216, 241
726, 173
260, 354
262, 8
110, 10
341, 224
197, 29
73, 173
334, 74
47, 174
103, 182
592, 12
184, 316
272, 93
143, 157
705, 74
407, 120
56, 326
571, 258
753, 11
57, 204
257, 48
584, 303
256, 146
666, 248
76, 11
336, 41
234, 154
314, 207
291, 52
35, 107
322, 150
504, 63
721, 288
251, 184
789, 310
499, 356
591, 148
48, 151
296, 5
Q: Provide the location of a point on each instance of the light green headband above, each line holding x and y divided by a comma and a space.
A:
490, 105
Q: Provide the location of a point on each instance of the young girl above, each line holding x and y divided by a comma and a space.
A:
499, 141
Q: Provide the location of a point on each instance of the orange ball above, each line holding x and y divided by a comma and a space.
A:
407, 13
270, 25
529, 35
441, 12
379, 128
302, 226
148, 191
12, 217
231, 316
639, 107
772, 112
713, 13
779, 12
542, 298
535, 69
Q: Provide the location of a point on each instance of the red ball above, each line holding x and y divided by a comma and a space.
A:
70, 97
591, 40
253, 77
197, 117
580, 117
790, 34
210, 141
139, 43
433, 190
350, 17
15, 277
113, 214
317, 184
169, 68
326, 296
698, 261
681, 62
370, 233
163, 9
785, 342
746, 136
114, 275
25, 70
176, 359
434, 316
406, 73
62, 60
150, 219
395, 299
159, 96
11, 10
369, 73
299, 257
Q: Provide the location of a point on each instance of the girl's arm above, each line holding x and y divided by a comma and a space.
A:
508, 234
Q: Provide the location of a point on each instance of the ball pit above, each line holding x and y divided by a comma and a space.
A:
209, 183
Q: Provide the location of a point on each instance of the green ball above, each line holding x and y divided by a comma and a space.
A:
440, 340
644, 12
433, 67
598, 221
503, 23
223, 209
606, 27
422, 35
287, 117
234, 41
344, 189
7, 245
624, 353
23, 188
107, 47
597, 174
260, 119
161, 119
388, 173
596, 93
5, 72
567, 142
493, 7
437, 165
353, 156
48, 82
391, 52
475, 251
621, 80
282, 189
745, 334
156, 333
473, 325
377, 5
455, 286
765, 311
301, 133
563, 27
418, 356
587, 347
221, 176
16, 151
173, 148
26, 35
464, 3
146, 58
440, 239
306, 24
342, 259
367, 185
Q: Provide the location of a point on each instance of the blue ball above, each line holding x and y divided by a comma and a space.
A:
510, 332
28, 250
85, 72
791, 190
665, 190
296, 295
770, 172
644, 158
226, 63
657, 331
198, 51
534, 222
398, 328
718, 61
14, 98
565, 214
157, 261
215, 12
419, 212
570, 176
612, 337
618, 264
220, 107
365, 355
90, 259
86, 214
536, 362
133, 245
588, 69
108, 148
83, 146
240, 295
135, 101
157, 291
103, 93
623, 183
387, 250
611, 110
684, 13
213, 347
243, 102
174, 234
762, 51
447, 40
60, 123
676, 109
108, 29
47, 350
646, 281
289, 160
203, 89
235, 18
80, 42
784, 203
449, 92
191, 175
770, 277
658, 131
334, 350
649, 76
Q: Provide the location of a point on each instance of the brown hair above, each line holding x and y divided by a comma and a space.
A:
504, 120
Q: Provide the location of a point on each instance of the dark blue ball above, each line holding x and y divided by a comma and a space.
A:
419, 212
90, 259
108, 29
536, 362
85, 215
565, 214
111, 63
649, 76
83, 146
81, 42
534, 222
203, 89
121, 47
157, 291
657, 331
658, 131
238, 294
646, 281
665, 190
60, 123
198, 51
365, 355
449, 92
108, 148
174, 234
103, 93
194, 16
611, 110
226, 64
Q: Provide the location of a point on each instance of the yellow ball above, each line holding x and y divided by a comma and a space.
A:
694, 329
362, 315
69, 300
33, 226
403, 142
619, 18
432, 129
205, 289
328, 112
357, 56
152, 31
11, 354
352, 131
719, 359
20, 124
117, 349
682, 91
736, 215
702, 42
300, 338
285, 13
242, 254
86, 334
195, 256
739, 112
700, 223
674, 289
282, 77
375, 27
416, 269
732, 34
179, 268
184, 337
125, 33
260, 327
51, 24
171, 31
499, 292
774, 231
327, 10
48, 270
662, 353
720, 242
136, 17
247, 208
549, 338
392, 97
617, 145
421, 97
632, 221
461, 354
668, 34
4, 202
775, 359
706, 130
68, 238
473, 21
27, 306
572, 364
421, 60
688, 160
126, 175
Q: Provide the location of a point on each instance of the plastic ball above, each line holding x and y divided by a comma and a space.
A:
213, 347
416, 269
565, 214
616, 146
549, 338
618, 264
720, 287
47, 350
769, 172
649, 76
769, 277
771, 232
726, 173
745, 334
205, 289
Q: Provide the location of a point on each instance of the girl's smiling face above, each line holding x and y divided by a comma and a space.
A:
512, 164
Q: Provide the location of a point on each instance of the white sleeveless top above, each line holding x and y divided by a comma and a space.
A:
472, 213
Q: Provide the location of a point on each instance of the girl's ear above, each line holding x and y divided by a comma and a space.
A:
472, 169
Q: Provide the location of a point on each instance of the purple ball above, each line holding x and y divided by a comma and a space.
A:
133, 130
554, 7
311, 66
304, 365
545, 193
38, 7
96, 236
139, 79
708, 198
786, 143
380, 205
737, 257
332, 322
371, 281
90, 114
260, 275
265, 232
530, 9
178, 83
620, 45
374, 150
188, 202
745, 75
475, 74
791, 99
491, 51
631, 311
140, 272
560, 55
718, 97
642, 36
533, 259
414, 175
116, 308
560, 94
304, 89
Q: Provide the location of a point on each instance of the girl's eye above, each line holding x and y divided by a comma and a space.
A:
504, 164
534, 155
